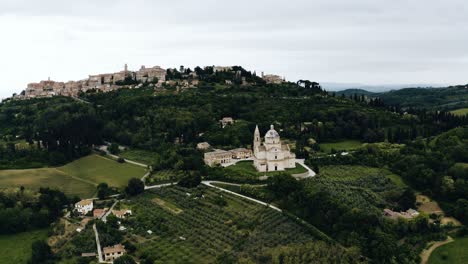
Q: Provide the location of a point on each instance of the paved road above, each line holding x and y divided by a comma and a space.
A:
98, 244
159, 186
210, 184
104, 148
239, 184
145, 176
104, 217
311, 172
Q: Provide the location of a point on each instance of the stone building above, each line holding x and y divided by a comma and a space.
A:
217, 157
271, 155
271, 78
203, 146
241, 153
226, 121
151, 74
114, 252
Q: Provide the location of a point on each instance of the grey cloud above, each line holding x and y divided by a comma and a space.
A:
365, 41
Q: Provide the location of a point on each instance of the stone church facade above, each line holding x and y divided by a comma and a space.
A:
271, 155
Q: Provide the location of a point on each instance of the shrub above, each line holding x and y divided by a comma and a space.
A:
135, 186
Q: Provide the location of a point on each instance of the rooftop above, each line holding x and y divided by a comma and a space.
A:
114, 249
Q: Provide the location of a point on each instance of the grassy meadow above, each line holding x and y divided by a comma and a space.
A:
454, 253
16, 249
79, 177
460, 112
341, 145
138, 155
97, 169
46, 177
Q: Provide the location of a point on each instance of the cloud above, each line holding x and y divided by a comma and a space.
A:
364, 41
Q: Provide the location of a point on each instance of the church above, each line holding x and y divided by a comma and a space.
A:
271, 155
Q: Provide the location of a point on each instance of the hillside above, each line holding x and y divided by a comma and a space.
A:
351, 92
449, 98
161, 126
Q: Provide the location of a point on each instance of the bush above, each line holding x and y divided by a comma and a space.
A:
121, 160
41, 253
113, 149
125, 259
190, 180
135, 186
444, 255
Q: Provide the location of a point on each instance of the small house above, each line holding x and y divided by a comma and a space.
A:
226, 121
84, 206
111, 253
98, 213
203, 146
121, 214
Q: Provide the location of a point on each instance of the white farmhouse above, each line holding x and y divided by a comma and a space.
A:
272, 155
84, 206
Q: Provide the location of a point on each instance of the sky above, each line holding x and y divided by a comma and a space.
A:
361, 41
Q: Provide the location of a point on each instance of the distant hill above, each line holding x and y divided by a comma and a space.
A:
450, 98
349, 92
378, 88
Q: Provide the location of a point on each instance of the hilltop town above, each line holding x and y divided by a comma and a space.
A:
156, 77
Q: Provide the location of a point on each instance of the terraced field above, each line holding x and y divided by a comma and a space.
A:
198, 228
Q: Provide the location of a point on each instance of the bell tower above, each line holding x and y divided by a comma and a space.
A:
257, 140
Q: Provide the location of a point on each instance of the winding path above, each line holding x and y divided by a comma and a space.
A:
427, 252
98, 244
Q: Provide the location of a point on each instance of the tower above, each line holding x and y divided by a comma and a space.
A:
126, 68
257, 140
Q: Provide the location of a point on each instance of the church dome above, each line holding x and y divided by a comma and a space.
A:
272, 133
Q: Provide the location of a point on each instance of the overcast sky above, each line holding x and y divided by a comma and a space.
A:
359, 41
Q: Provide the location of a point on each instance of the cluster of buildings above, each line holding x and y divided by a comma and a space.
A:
269, 155
86, 206
408, 214
109, 253
102, 82
112, 81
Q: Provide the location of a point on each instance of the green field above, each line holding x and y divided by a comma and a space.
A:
340, 146
189, 226
453, 253
46, 177
138, 155
97, 169
16, 249
460, 112
76, 178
